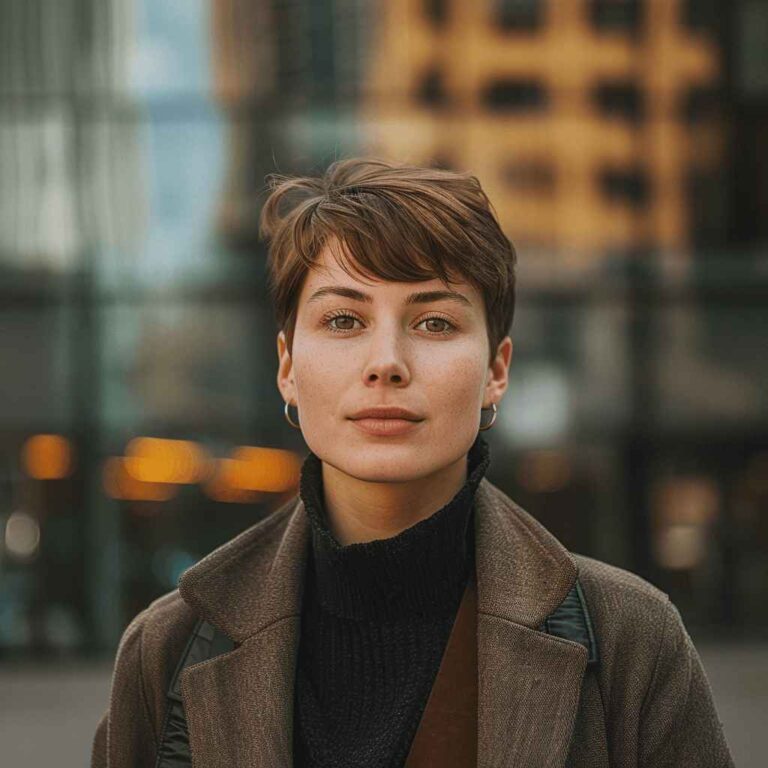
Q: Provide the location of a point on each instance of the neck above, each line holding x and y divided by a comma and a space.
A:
420, 569
359, 511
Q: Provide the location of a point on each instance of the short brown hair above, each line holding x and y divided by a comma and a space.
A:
396, 222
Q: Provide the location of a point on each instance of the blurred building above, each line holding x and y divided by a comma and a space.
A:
585, 120
71, 178
623, 145
289, 77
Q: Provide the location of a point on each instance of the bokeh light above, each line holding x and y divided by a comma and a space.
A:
48, 457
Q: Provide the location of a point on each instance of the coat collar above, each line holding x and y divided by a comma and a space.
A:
239, 705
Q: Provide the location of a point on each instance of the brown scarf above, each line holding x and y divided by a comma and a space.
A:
447, 733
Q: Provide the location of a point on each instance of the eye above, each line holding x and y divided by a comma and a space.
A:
446, 330
342, 316
328, 322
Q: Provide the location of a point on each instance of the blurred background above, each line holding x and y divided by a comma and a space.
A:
624, 144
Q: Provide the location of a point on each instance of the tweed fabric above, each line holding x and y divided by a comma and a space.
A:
647, 705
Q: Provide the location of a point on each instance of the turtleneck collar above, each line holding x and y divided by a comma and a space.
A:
421, 570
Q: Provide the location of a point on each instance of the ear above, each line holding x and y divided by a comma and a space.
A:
498, 373
285, 371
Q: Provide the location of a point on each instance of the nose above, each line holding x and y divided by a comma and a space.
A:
386, 361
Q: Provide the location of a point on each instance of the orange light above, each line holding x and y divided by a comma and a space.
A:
222, 486
159, 460
47, 457
265, 469
119, 484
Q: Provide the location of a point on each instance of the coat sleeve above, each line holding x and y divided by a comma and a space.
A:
679, 724
125, 736
99, 746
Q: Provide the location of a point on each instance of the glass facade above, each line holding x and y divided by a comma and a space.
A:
134, 142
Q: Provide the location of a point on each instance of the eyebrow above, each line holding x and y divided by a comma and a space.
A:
420, 297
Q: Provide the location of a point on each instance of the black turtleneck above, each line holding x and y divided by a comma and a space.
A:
376, 617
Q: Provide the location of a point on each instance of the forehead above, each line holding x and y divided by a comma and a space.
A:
328, 271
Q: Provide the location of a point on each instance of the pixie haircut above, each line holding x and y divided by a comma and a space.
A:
387, 221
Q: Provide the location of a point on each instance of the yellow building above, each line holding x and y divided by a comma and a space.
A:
579, 118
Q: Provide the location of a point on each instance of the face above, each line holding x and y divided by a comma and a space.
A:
351, 353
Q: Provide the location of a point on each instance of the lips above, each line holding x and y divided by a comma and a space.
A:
387, 427
388, 412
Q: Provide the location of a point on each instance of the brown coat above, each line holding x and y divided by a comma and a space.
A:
648, 703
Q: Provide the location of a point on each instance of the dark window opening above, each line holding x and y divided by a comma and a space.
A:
626, 185
619, 99
431, 90
514, 15
436, 11
514, 96
615, 15
702, 14
699, 103
706, 194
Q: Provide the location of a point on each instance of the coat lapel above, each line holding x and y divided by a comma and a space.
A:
239, 705
529, 683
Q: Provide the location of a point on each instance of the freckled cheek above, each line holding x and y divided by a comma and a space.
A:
456, 385
321, 377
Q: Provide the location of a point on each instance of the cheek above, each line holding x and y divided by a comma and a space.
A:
465, 384
319, 372
455, 380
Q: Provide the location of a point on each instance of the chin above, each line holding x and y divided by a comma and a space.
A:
384, 463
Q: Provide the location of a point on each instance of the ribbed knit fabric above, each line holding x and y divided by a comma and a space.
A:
376, 617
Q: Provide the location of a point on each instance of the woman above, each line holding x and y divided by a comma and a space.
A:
401, 606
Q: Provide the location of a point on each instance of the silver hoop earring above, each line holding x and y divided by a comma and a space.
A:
288, 416
490, 424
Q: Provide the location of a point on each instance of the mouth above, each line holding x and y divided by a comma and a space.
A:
386, 427
386, 412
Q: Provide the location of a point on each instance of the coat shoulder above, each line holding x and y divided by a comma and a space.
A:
167, 621
162, 630
145, 661
609, 582
154, 641
658, 703
627, 610
165, 624
630, 616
